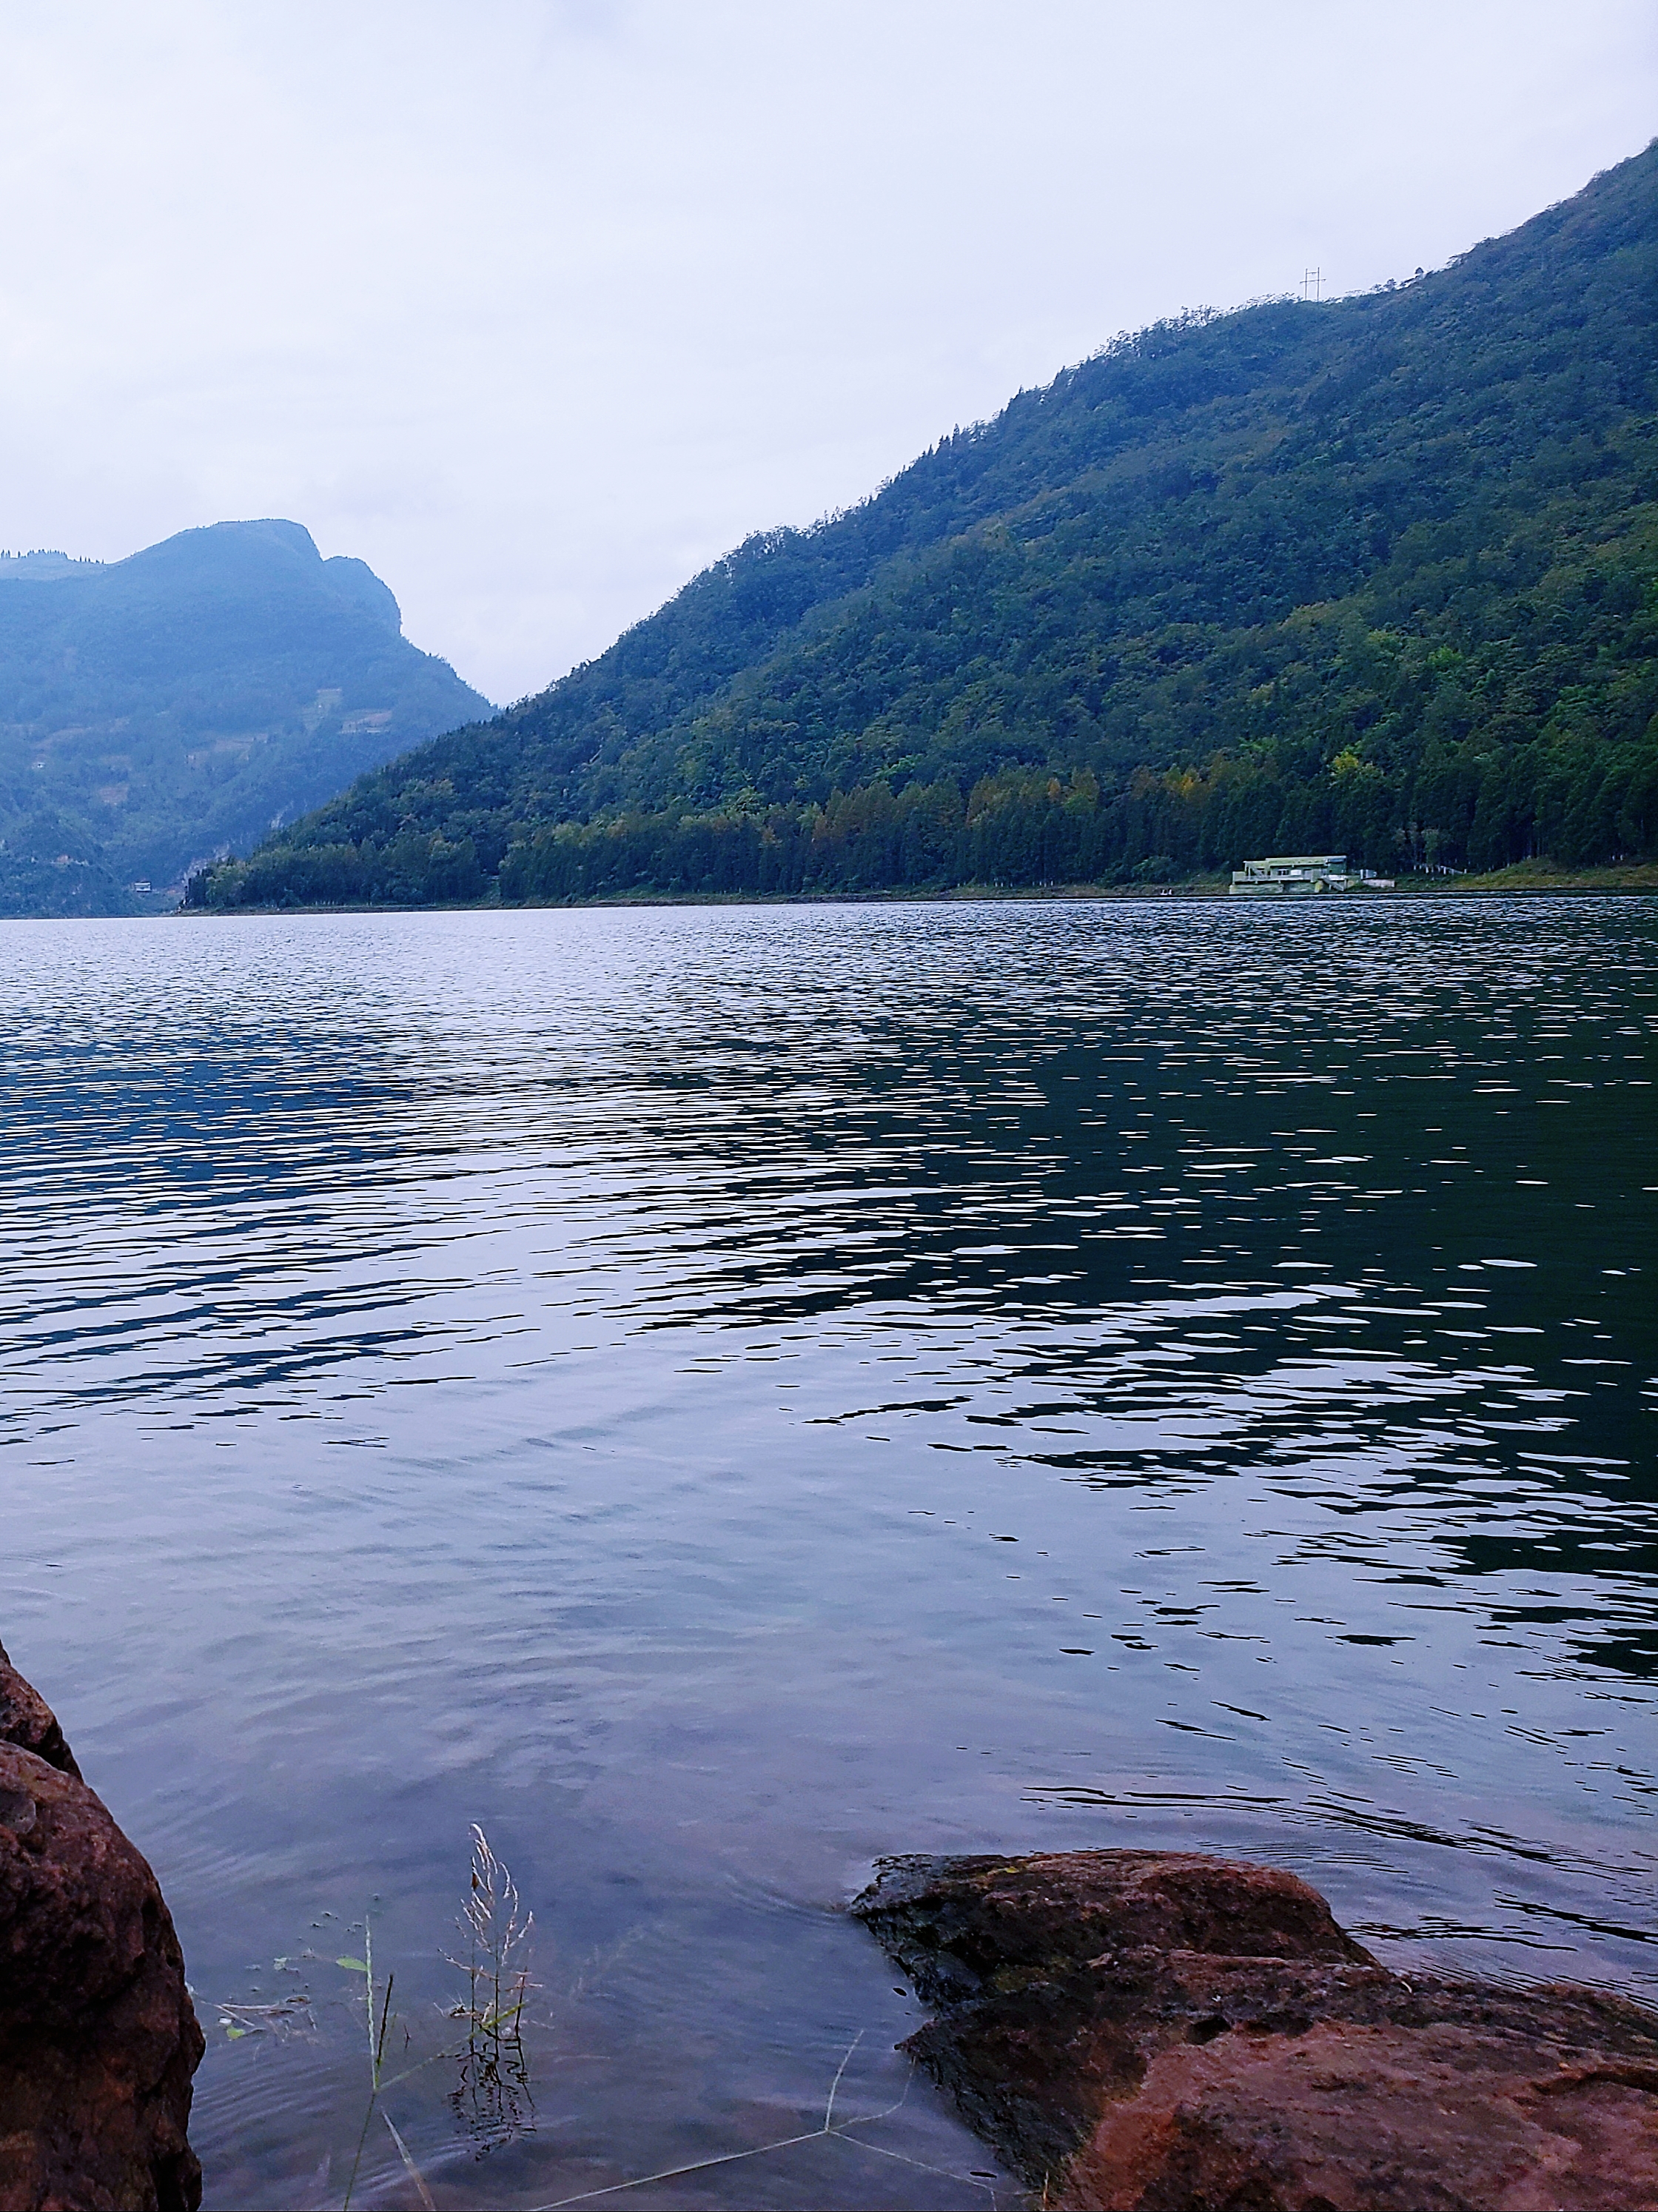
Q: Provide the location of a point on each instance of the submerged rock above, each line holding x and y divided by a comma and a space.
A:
98, 2038
1161, 2031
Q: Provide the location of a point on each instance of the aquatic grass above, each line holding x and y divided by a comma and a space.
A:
494, 2094
492, 2101
364, 1967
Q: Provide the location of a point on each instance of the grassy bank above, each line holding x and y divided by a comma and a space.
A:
1546, 876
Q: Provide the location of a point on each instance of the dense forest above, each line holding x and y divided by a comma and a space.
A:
159, 709
1378, 575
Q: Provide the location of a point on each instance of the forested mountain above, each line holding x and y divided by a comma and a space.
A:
1378, 574
156, 710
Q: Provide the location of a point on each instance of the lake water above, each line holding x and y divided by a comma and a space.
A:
715, 1394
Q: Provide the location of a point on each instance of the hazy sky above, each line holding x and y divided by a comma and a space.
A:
538, 304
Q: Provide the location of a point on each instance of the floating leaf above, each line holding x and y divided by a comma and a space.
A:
356, 1965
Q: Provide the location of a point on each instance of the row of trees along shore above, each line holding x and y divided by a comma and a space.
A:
1576, 805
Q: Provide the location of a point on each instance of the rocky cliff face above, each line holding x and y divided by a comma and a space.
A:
1159, 2032
98, 2038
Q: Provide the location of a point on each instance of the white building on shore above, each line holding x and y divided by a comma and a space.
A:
1301, 875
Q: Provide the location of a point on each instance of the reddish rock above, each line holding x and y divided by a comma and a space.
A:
1373, 2119
1159, 2032
26, 1719
98, 2038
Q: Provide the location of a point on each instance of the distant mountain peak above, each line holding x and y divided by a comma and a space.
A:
356, 581
173, 704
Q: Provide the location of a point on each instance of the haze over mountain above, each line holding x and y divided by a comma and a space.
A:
157, 710
1378, 574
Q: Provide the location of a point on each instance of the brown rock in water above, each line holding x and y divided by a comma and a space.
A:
26, 1719
98, 2038
1160, 2031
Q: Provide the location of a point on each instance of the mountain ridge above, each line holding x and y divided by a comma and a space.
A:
157, 709
1378, 574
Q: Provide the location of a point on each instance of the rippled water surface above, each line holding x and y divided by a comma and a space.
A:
716, 1394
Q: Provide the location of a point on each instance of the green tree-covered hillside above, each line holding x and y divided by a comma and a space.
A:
159, 709
1378, 574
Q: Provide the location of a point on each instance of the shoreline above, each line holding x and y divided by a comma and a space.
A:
1526, 880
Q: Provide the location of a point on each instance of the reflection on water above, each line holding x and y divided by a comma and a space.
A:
715, 1394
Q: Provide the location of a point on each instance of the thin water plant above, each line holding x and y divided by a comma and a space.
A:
414, 2172
377, 2035
492, 2101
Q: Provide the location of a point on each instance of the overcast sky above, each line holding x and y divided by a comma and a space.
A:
538, 304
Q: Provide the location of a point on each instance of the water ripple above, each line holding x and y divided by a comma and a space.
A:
717, 1394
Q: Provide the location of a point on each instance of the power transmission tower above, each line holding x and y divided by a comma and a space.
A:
1312, 285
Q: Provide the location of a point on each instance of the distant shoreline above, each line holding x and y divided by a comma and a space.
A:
1526, 879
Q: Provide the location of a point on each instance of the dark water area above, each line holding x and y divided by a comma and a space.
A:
715, 1394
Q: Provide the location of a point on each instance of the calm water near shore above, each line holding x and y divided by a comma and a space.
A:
714, 1395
